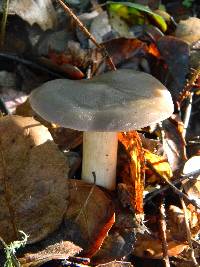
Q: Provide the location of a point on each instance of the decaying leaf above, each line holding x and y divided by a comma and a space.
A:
188, 30
116, 264
192, 187
89, 216
33, 184
149, 246
175, 53
135, 179
58, 251
174, 143
34, 11
176, 224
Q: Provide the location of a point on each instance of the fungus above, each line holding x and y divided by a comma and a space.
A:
121, 100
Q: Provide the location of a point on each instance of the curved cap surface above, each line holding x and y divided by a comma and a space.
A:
121, 100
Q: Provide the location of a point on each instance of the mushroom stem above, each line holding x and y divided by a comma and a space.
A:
100, 156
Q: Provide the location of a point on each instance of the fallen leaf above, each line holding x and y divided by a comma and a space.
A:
58, 251
89, 216
148, 246
188, 30
135, 179
176, 222
192, 186
161, 165
33, 186
34, 11
137, 13
173, 143
116, 264
175, 54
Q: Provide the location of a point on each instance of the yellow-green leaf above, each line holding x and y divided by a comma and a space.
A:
135, 11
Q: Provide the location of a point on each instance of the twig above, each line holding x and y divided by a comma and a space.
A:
188, 233
187, 114
4, 21
191, 176
29, 63
163, 229
172, 186
188, 87
88, 34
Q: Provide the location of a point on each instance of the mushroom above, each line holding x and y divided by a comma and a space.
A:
121, 100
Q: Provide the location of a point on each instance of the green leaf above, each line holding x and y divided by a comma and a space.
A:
128, 9
10, 250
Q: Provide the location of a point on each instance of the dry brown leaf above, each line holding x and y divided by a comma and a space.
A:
58, 251
176, 222
33, 184
192, 187
151, 247
116, 264
89, 216
135, 179
34, 11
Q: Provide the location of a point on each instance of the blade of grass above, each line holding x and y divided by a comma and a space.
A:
4, 21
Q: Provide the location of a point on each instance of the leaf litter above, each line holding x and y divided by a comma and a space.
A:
136, 44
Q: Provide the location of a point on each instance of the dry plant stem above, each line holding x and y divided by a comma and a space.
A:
189, 85
191, 176
163, 229
88, 34
188, 233
187, 114
173, 187
3, 22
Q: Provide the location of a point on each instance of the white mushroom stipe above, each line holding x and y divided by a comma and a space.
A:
100, 157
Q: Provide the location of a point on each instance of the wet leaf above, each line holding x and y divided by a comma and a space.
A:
131, 11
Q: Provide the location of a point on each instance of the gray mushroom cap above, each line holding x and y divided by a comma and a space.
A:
121, 100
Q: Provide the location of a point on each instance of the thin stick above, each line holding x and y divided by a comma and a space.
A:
188, 87
4, 21
174, 188
191, 176
188, 233
88, 34
187, 114
163, 229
